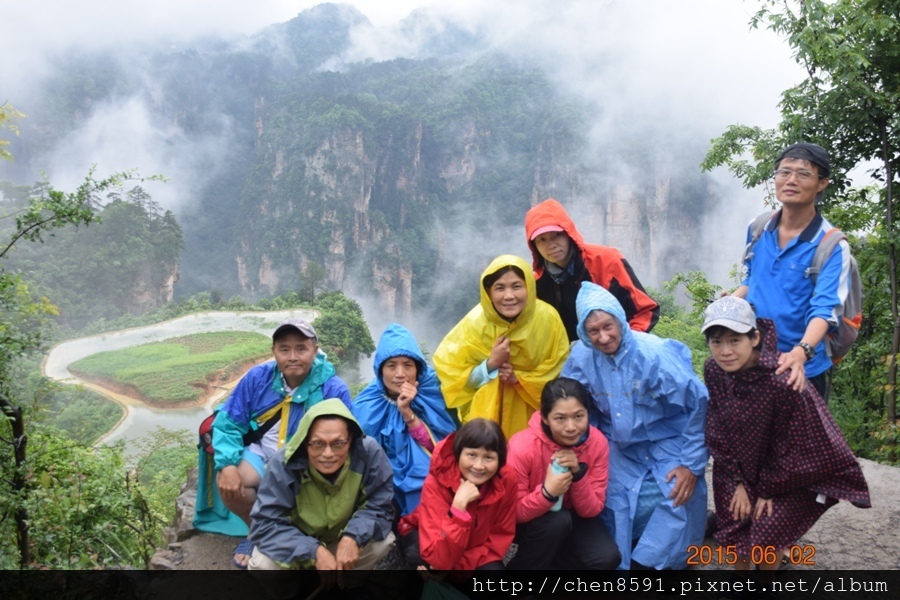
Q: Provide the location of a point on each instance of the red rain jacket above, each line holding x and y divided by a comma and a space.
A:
448, 542
603, 265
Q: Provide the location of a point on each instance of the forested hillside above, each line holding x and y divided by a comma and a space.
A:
127, 263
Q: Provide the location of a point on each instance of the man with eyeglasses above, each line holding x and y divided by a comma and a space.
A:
325, 503
777, 283
263, 412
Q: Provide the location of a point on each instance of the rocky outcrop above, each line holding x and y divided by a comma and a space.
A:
151, 292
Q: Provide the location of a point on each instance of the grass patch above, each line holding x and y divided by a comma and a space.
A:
178, 370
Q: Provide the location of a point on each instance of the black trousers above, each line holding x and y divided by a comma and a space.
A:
563, 540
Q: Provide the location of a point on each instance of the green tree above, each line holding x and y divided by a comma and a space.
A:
848, 103
311, 281
343, 333
23, 317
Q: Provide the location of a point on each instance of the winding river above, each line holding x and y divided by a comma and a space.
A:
140, 419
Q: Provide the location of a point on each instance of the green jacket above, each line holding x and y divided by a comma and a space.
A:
297, 509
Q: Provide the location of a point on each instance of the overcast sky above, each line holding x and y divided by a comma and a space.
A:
710, 32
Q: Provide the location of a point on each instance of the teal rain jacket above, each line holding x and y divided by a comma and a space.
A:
652, 408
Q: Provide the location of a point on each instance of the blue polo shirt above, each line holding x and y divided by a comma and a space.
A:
781, 289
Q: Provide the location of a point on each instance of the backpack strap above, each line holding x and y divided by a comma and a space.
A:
756, 229
826, 246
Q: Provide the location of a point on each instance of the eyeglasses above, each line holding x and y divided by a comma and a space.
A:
336, 445
802, 174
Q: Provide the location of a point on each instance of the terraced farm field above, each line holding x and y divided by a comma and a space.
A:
178, 371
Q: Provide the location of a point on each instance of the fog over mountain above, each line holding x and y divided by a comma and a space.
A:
208, 95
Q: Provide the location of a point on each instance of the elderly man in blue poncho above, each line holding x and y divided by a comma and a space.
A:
652, 408
403, 410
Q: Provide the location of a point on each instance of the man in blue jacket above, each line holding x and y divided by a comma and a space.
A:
777, 282
263, 412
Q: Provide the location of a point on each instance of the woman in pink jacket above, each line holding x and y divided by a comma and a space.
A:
561, 463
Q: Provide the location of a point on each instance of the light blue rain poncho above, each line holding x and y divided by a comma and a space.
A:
652, 409
379, 417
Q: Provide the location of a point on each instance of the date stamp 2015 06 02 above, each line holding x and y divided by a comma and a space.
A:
759, 555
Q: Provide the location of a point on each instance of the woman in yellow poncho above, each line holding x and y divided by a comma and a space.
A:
495, 361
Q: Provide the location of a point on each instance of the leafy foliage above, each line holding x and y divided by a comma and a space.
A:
849, 103
8, 118
83, 415
343, 333
677, 323
22, 332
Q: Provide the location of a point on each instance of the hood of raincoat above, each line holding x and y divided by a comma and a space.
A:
332, 406
593, 297
549, 212
377, 413
768, 356
445, 469
487, 306
397, 340
379, 416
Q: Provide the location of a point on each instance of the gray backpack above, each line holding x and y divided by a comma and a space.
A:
837, 344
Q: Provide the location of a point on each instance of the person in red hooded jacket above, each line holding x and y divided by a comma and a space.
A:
466, 519
559, 505
562, 261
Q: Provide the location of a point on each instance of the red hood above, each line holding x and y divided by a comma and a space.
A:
549, 212
445, 469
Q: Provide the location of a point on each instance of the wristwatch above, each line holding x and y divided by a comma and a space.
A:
808, 350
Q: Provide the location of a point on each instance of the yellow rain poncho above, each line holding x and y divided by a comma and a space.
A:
538, 348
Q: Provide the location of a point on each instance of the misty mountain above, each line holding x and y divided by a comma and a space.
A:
295, 148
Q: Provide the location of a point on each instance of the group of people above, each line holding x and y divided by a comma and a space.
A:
552, 419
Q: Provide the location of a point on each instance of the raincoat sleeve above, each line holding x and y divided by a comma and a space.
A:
683, 387
372, 519
461, 350
503, 529
531, 502
443, 536
234, 418
228, 438
588, 494
271, 529
718, 436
